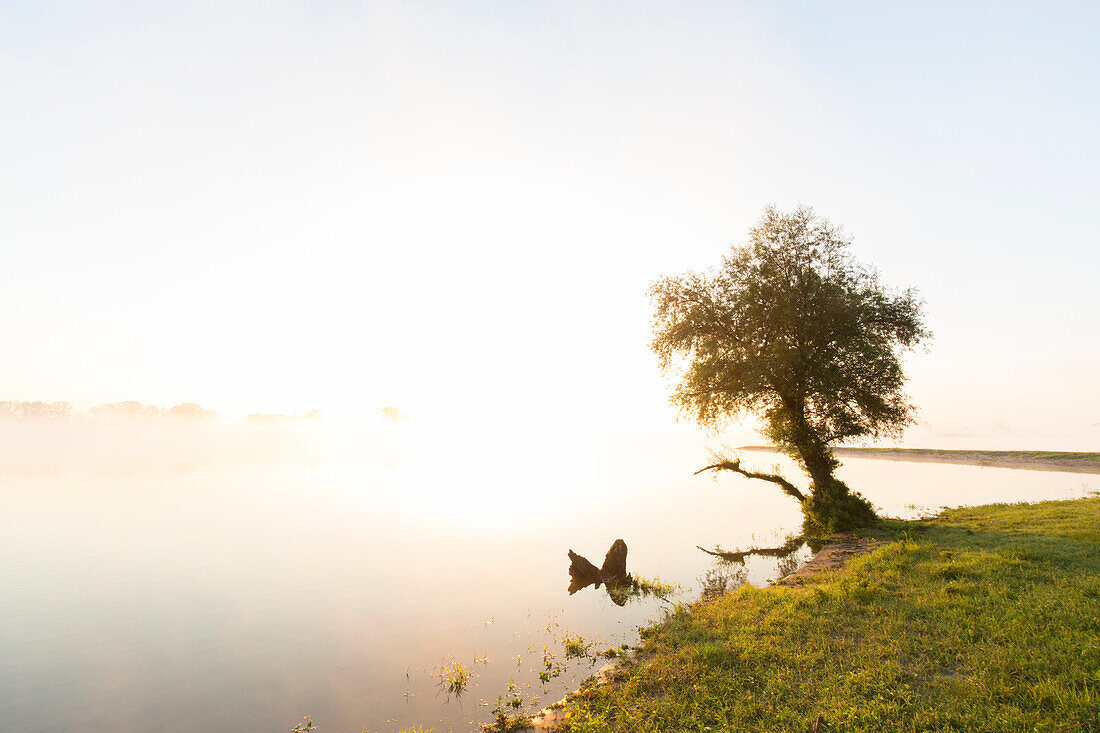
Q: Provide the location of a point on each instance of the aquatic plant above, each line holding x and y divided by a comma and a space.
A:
515, 700
613, 652
655, 586
575, 646
551, 668
503, 721
454, 676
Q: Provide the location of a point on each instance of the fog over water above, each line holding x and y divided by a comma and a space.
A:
237, 577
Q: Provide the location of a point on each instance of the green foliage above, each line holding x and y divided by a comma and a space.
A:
984, 619
790, 328
824, 514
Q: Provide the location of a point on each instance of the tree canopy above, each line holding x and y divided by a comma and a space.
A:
792, 329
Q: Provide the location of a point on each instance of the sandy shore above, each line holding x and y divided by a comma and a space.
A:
830, 557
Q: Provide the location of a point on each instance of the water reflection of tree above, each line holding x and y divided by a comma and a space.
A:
788, 564
729, 572
721, 578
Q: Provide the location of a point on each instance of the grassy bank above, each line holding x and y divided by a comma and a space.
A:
984, 618
1078, 462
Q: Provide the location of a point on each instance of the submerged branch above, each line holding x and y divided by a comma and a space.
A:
728, 465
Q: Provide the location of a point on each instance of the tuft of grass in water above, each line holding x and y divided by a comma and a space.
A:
551, 669
613, 652
575, 646
515, 700
503, 721
983, 618
454, 676
655, 587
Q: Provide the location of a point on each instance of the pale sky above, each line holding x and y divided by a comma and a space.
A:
456, 208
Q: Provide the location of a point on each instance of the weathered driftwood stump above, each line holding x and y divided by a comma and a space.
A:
614, 564
582, 573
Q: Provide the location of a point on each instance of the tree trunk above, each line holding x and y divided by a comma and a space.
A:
815, 454
820, 465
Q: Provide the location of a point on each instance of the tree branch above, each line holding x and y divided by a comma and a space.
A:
727, 465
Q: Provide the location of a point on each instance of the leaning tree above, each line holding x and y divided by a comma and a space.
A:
792, 329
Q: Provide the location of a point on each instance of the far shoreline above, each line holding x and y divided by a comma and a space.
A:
1065, 461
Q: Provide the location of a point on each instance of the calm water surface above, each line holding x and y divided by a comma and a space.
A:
241, 595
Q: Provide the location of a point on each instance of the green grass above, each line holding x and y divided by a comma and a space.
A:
984, 618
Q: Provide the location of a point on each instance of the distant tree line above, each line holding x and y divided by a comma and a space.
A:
35, 410
132, 411
128, 410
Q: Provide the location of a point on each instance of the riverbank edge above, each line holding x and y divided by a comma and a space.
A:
907, 537
1061, 461
833, 555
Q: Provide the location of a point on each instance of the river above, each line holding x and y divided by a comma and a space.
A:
241, 595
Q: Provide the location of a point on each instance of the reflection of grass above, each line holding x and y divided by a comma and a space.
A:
981, 619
